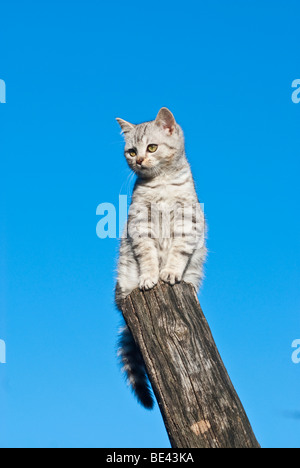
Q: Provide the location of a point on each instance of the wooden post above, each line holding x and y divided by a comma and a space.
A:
197, 400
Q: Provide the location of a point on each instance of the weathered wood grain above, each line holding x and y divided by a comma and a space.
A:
197, 400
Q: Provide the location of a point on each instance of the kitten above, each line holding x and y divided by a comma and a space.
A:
164, 236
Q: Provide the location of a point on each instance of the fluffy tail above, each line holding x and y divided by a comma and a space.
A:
134, 368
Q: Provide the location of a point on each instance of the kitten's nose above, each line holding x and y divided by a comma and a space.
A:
139, 161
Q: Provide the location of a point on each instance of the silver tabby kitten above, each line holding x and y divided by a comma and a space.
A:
164, 236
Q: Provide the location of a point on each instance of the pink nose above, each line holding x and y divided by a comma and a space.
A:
139, 161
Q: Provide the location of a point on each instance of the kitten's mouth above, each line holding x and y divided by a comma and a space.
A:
142, 167
146, 172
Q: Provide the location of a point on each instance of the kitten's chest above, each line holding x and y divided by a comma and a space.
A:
164, 197
160, 208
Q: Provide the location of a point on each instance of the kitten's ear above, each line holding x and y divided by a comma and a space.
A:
125, 126
166, 119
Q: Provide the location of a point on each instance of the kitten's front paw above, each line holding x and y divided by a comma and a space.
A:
148, 282
170, 277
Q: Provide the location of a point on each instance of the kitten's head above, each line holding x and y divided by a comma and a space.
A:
155, 147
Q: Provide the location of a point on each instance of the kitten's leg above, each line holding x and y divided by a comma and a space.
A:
146, 254
177, 260
142, 235
188, 238
128, 273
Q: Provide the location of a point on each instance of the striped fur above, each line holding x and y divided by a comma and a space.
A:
165, 234
133, 365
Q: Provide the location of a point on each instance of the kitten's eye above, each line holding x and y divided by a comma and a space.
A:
152, 148
132, 153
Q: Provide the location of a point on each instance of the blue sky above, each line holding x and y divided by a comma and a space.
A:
225, 69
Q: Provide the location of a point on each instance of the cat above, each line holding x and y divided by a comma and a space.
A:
164, 238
